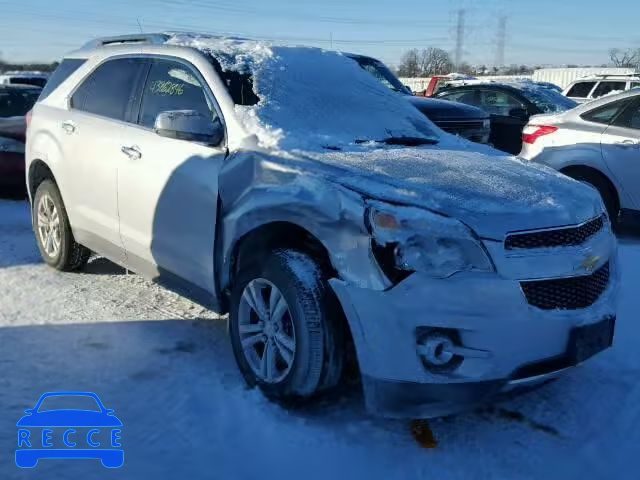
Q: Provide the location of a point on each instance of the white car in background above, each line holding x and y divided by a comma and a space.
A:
592, 88
597, 143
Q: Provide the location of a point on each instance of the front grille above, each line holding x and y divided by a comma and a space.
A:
561, 237
567, 293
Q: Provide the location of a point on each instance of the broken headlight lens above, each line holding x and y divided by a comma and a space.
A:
423, 241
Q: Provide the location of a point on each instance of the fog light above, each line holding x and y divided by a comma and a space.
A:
437, 350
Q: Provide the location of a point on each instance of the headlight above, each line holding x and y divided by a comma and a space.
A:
418, 240
10, 145
486, 124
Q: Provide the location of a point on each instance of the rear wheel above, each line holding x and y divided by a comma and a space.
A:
284, 329
55, 240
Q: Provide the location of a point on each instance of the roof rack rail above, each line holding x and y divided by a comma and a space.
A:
607, 75
150, 38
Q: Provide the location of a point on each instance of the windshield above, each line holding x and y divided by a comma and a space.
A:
16, 103
548, 100
69, 402
380, 71
308, 98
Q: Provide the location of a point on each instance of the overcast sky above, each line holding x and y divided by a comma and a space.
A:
538, 31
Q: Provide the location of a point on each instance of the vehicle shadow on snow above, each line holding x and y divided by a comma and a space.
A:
175, 386
17, 240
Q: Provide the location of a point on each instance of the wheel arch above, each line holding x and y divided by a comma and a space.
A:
39, 171
574, 171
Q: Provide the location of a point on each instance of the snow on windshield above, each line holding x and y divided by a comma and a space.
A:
311, 98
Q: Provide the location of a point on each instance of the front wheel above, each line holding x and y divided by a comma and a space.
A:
284, 327
51, 225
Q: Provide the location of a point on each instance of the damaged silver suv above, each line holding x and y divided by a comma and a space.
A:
290, 188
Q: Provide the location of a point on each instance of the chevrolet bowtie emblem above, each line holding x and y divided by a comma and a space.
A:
589, 263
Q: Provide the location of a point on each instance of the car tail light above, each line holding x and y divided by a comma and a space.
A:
27, 118
533, 132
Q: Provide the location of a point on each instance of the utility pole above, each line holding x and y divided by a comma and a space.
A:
501, 41
460, 37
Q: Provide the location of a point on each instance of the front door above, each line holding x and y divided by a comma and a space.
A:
168, 188
621, 151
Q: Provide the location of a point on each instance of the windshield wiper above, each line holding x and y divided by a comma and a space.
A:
404, 141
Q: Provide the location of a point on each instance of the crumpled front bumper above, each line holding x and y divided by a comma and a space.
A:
488, 313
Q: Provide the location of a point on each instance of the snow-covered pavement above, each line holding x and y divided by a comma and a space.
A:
164, 364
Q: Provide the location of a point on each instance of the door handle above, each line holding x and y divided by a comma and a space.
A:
132, 152
69, 127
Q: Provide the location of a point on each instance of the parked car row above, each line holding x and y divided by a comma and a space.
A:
301, 191
15, 102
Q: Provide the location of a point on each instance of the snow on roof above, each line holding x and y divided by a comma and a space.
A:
310, 98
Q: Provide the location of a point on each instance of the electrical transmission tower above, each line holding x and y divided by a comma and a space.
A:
501, 41
460, 37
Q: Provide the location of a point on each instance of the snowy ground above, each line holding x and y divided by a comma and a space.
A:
165, 366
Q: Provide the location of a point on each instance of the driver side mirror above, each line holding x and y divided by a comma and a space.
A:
519, 113
189, 125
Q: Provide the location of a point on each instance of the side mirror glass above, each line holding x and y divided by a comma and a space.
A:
189, 125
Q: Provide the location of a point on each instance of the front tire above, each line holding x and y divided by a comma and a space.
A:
284, 327
53, 232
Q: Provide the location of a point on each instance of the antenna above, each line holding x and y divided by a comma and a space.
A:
501, 41
139, 25
460, 37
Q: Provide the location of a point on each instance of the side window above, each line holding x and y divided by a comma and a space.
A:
604, 88
469, 97
635, 85
630, 118
64, 71
605, 114
581, 90
108, 90
172, 86
496, 102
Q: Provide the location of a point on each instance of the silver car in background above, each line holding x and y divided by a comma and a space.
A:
597, 143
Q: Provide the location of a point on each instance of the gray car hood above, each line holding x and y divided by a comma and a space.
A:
491, 192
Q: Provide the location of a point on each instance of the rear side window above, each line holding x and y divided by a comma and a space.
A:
581, 90
605, 114
64, 70
172, 86
469, 97
496, 102
109, 89
635, 85
605, 88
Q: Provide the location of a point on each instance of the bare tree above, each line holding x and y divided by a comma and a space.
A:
435, 61
629, 58
410, 64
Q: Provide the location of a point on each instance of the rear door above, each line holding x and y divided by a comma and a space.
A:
621, 151
92, 129
168, 195
509, 115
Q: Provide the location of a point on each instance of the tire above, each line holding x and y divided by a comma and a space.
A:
311, 320
62, 252
606, 191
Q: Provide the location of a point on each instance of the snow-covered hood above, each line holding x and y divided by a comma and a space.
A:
491, 192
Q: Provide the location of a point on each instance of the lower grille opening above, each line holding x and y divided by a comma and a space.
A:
567, 293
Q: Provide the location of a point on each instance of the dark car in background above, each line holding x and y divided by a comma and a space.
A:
510, 106
15, 102
456, 118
